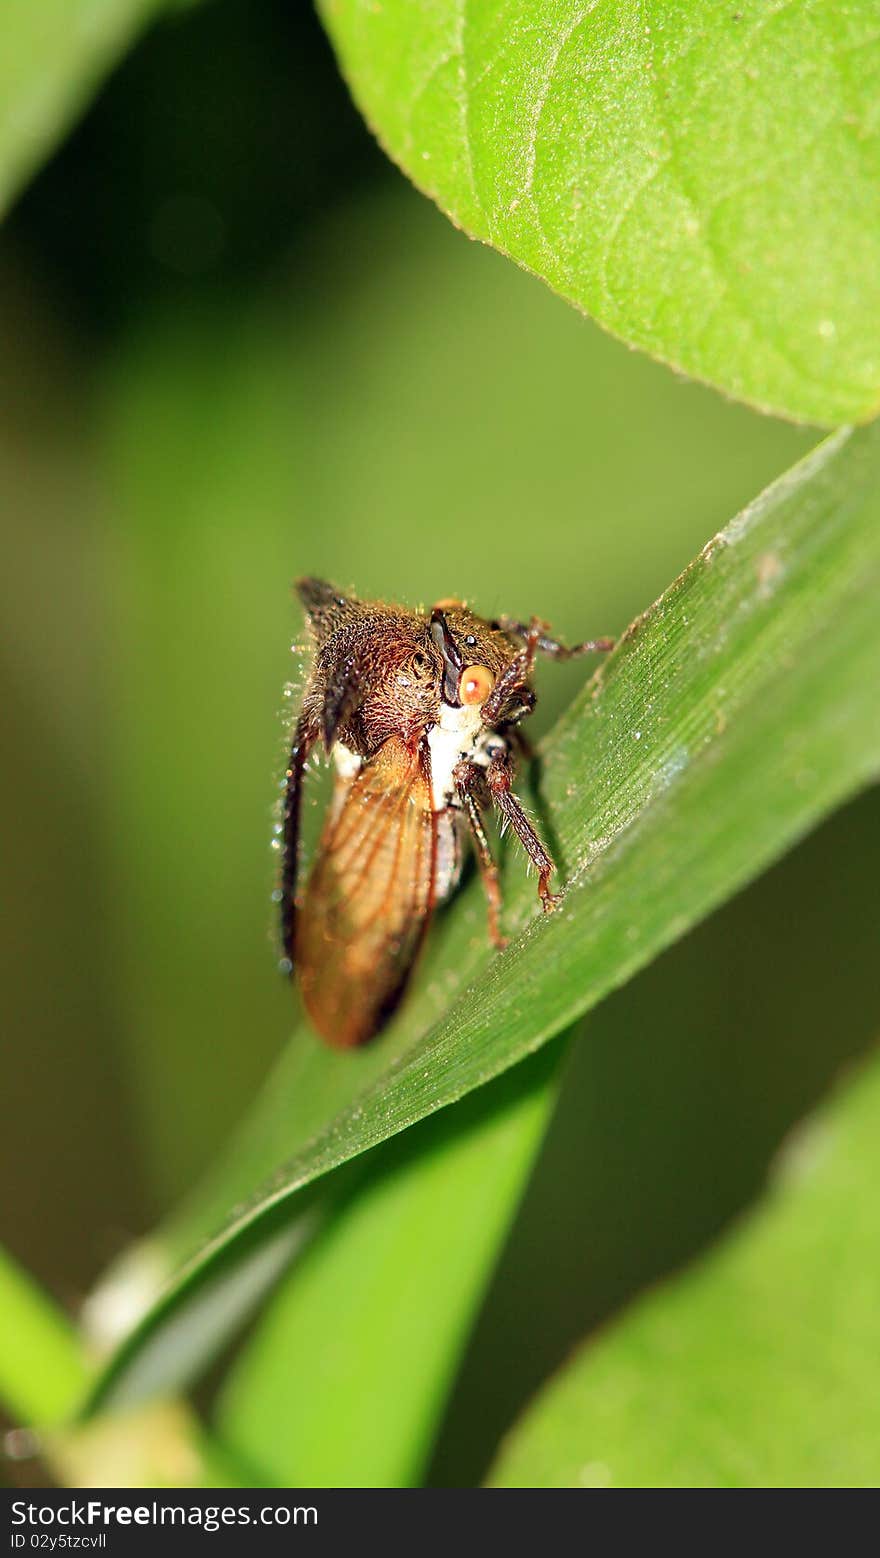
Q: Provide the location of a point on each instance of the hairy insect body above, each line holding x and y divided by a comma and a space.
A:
420, 713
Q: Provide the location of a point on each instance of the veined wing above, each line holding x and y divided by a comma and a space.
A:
369, 897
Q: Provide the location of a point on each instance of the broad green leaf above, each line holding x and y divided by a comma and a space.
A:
756, 1368
52, 56
704, 180
737, 711
379, 1307
43, 1369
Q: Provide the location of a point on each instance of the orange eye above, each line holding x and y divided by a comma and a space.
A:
475, 684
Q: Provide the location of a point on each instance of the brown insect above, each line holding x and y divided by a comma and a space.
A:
421, 714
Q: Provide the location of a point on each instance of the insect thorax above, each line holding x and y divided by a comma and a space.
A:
458, 734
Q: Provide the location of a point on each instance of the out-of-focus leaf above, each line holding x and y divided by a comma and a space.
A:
758, 1367
379, 1307
53, 54
702, 179
161, 1445
737, 711
43, 1369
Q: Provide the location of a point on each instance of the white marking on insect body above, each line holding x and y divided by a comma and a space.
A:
348, 763
450, 825
452, 738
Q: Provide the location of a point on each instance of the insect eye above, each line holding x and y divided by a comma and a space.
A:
475, 684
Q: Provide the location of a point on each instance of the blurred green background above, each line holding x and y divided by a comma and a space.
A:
238, 347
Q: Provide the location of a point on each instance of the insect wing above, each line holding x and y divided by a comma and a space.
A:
369, 897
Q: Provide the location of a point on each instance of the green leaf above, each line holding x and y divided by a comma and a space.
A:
54, 55
756, 1368
43, 1369
737, 711
45, 1372
379, 1307
704, 180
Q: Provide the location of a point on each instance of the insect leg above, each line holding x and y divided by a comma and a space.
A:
498, 778
470, 783
511, 687
514, 679
545, 645
303, 741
